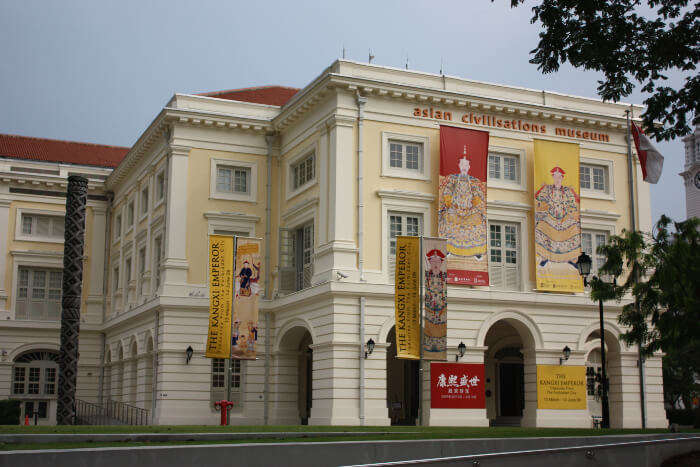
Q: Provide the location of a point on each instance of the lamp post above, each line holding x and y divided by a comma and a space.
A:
584, 268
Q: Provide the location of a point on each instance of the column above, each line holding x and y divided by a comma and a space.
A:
335, 384
376, 410
175, 264
654, 380
96, 264
4, 235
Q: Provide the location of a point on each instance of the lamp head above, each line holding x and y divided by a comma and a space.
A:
583, 264
188, 354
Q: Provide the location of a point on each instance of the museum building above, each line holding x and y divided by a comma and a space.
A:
327, 176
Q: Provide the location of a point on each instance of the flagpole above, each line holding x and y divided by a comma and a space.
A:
420, 351
633, 222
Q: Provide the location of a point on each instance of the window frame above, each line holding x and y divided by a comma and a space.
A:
594, 232
290, 161
130, 214
252, 171
217, 393
518, 185
42, 366
156, 186
504, 255
21, 236
44, 300
118, 225
423, 173
297, 163
609, 169
144, 207
403, 215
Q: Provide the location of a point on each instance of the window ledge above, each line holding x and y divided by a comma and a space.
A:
406, 174
26, 238
297, 191
597, 195
233, 197
514, 186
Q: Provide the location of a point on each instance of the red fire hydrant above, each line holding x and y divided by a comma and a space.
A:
223, 405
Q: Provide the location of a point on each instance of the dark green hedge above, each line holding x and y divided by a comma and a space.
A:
9, 412
684, 416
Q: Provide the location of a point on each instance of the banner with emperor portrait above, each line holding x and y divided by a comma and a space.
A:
557, 216
462, 204
248, 283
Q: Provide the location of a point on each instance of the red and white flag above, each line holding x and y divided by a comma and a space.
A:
649, 157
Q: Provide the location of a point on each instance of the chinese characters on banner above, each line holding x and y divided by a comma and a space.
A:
220, 287
561, 387
407, 297
245, 305
457, 386
462, 204
435, 315
557, 216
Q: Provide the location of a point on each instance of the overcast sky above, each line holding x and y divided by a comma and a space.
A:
100, 71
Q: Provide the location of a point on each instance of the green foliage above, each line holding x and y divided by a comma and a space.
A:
663, 278
628, 42
9, 412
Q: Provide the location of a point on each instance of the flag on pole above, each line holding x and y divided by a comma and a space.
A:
650, 158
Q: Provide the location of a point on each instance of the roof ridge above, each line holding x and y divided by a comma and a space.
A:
36, 138
251, 88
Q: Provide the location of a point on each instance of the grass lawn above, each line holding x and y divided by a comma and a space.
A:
381, 433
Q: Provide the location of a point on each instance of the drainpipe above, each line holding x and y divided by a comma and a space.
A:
270, 139
105, 270
361, 101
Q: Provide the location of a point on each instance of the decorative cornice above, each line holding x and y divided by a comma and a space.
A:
231, 216
300, 207
509, 205
405, 195
602, 215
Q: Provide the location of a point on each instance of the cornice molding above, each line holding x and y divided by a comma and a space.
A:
508, 205
405, 195
300, 207
600, 215
231, 216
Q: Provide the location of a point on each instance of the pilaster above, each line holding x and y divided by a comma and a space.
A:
175, 264
4, 286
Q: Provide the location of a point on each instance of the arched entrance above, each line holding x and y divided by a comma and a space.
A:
295, 376
613, 363
505, 360
401, 385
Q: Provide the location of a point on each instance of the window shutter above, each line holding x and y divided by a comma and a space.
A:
287, 278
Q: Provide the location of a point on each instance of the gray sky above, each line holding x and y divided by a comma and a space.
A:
100, 71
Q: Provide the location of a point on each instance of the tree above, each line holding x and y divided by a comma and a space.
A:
617, 38
663, 276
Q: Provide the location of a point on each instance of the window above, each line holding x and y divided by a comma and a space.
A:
218, 381
303, 172
296, 258
504, 253
160, 186
594, 178
144, 201
157, 245
35, 373
42, 227
142, 261
40, 406
117, 226
405, 156
130, 214
233, 180
504, 167
115, 279
591, 240
401, 224
38, 294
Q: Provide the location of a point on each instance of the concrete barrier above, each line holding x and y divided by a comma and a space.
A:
303, 454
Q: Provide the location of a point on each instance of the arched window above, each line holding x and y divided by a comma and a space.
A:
35, 373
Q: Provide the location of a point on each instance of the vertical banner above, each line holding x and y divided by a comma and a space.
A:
561, 387
462, 204
435, 315
407, 297
245, 303
457, 386
220, 289
557, 216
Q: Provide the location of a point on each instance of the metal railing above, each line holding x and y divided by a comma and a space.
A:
110, 413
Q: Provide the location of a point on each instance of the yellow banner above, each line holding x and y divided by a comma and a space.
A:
407, 297
561, 387
245, 302
557, 216
220, 296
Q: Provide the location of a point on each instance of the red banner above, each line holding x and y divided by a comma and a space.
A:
462, 204
457, 386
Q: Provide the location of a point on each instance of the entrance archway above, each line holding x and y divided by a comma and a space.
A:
613, 363
295, 376
401, 385
507, 360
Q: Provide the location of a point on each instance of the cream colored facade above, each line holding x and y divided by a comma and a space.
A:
311, 366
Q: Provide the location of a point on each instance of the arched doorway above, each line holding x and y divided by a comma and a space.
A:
401, 385
295, 376
613, 363
507, 342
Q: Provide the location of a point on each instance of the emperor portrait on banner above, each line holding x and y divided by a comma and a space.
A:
462, 204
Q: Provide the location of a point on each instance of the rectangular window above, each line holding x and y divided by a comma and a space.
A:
591, 240
218, 380
303, 172
401, 224
49, 380
19, 380
34, 378
160, 186
157, 245
142, 261
504, 256
144, 201
127, 267
594, 178
232, 179
38, 294
118, 226
130, 214
504, 167
296, 258
42, 227
115, 279
41, 407
406, 155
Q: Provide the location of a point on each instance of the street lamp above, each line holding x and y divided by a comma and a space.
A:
370, 347
567, 353
584, 269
